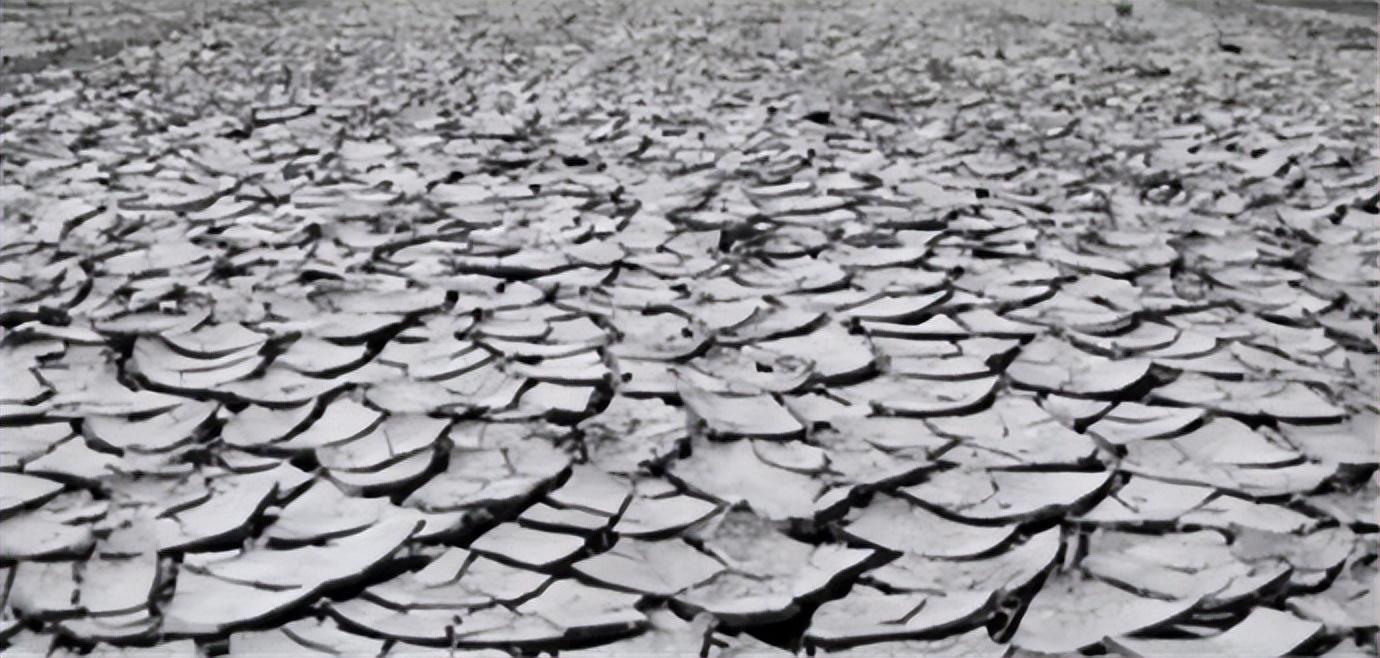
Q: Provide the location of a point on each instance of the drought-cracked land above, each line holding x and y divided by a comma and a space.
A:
680, 328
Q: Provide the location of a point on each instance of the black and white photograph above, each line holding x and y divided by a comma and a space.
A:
689, 328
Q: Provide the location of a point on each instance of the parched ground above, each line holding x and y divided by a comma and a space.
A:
688, 328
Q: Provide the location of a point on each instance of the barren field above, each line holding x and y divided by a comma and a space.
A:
688, 328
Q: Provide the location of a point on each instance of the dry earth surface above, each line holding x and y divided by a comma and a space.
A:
667, 329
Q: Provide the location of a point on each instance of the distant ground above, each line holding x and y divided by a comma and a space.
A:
41, 33
1362, 8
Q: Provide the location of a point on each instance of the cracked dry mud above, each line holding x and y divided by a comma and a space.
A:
620, 329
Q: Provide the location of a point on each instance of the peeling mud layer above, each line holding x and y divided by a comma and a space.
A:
676, 329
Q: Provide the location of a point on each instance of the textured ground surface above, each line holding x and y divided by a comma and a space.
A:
624, 330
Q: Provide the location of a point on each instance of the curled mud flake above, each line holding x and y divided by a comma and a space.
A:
1076, 312
38, 535
902, 396
581, 611
1195, 567
662, 337
791, 275
1101, 265
1286, 401
162, 365
1349, 443
225, 517
992, 576
319, 357
44, 590
760, 415
773, 322
118, 629
323, 512
481, 389
658, 516
984, 322
241, 589
423, 626
1322, 550
938, 327
1147, 502
172, 648
1347, 600
1264, 632
769, 575
409, 300
396, 476
941, 369
746, 370
308, 637
1165, 460
593, 490
1132, 421
1144, 337
894, 308
586, 368
24, 443
490, 478
280, 387
459, 580
1224, 512
1073, 411
158, 433
18, 491
732, 473
816, 409
96, 390
24, 387
1228, 442
528, 547
866, 615
974, 643
396, 438
1352, 506
834, 355
631, 432
900, 526
1013, 432
555, 401
435, 360
658, 568
1052, 365
666, 633
1069, 614
113, 585
996, 497
646, 378
792, 455
256, 426
341, 421
214, 340
1222, 364
557, 519
345, 328
397, 395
